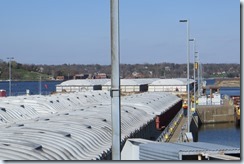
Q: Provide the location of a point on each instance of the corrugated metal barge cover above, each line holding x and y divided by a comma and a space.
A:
71, 126
174, 151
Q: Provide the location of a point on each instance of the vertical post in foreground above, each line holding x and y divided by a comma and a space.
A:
115, 80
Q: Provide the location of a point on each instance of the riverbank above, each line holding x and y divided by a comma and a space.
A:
228, 82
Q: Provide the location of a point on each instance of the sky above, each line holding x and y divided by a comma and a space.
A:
78, 31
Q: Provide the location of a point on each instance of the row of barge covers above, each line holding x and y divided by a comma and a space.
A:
74, 126
77, 126
127, 85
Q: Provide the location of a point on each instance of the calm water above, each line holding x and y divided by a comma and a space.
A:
20, 87
222, 133
233, 91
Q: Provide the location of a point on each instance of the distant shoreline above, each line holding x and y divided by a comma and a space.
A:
228, 82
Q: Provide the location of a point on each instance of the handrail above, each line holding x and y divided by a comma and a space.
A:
169, 130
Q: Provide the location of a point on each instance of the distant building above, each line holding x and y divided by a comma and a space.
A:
82, 76
170, 85
101, 76
137, 75
135, 85
60, 78
51, 78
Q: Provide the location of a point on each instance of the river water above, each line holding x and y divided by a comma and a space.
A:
221, 133
20, 87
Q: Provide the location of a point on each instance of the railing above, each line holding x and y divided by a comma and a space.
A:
170, 129
182, 133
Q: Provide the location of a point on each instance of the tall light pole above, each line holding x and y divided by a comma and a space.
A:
201, 74
40, 81
40, 84
115, 80
188, 81
194, 67
198, 75
10, 59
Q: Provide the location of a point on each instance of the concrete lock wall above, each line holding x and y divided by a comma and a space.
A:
215, 114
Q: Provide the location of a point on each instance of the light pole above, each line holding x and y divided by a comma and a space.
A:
40, 85
198, 75
194, 67
115, 80
40, 81
201, 75
188, 81
10, 58
193, 40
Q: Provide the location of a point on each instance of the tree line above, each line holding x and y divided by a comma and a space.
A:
145, 70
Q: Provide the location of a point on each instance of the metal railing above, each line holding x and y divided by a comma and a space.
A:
170, 129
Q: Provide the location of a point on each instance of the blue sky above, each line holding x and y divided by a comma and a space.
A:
78, 31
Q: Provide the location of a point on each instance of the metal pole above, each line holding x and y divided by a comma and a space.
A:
194, 72
194, 61
197, 60
198, 78
40, 85
201, 70
194, 64
10, 77
115, 80
10, 58
188, 81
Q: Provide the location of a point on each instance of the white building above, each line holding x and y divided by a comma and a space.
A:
127, 85
132, 85
170, 85
81, 85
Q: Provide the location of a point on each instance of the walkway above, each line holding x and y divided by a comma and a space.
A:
177, 132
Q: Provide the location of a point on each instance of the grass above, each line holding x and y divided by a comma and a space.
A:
24, 75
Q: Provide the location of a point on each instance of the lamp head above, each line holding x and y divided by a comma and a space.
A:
184, 20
